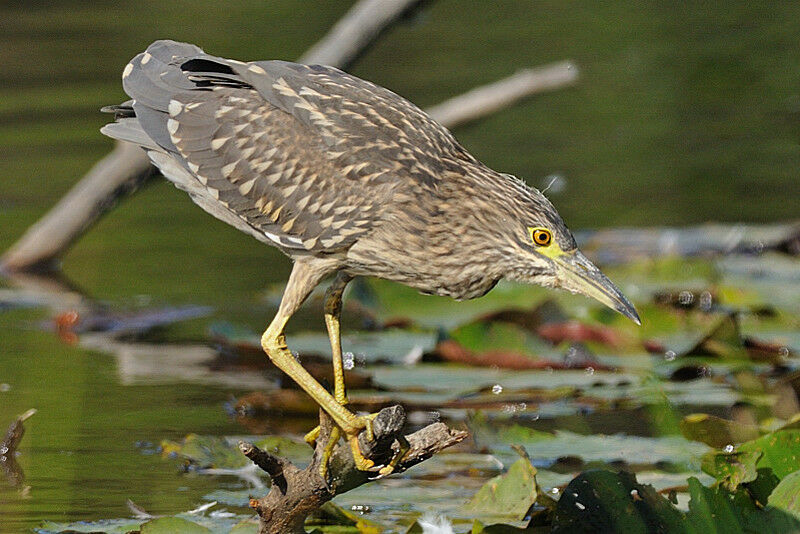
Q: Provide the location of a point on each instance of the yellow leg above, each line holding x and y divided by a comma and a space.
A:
305, 276
333, 311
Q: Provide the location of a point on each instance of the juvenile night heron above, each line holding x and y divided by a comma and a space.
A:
346, 178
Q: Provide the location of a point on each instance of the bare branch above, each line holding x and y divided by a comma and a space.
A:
356, 30
116, 175
299, 492
495, 96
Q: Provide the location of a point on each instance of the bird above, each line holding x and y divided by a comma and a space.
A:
348, 179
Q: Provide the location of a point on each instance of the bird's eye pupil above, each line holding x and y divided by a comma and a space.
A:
541, 237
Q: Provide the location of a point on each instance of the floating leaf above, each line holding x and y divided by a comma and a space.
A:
392, 345
604, 501
715, 431
106, 526
723, 341
780, 451
718, 511
510, 494
335, 519
223, 453
732, 469
544, 449
786, 496
172, 525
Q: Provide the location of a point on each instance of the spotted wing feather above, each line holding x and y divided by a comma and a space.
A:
307, 156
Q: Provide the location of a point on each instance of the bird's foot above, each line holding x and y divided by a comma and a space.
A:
362, 463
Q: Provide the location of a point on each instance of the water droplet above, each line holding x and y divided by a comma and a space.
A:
554, 491
670, 355
579, 506
497, 389
361, 508
706, 301
348, 360
728, 448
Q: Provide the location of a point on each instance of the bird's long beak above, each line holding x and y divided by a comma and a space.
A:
577, 274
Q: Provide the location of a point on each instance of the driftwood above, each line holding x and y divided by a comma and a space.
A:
295, 493
8, 450
126, 167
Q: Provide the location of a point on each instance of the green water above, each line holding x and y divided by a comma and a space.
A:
684, 113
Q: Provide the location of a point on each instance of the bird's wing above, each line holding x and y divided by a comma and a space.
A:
263, 150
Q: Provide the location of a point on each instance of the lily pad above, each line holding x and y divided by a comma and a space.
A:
719, 511
723, 341
716, 431
107, 526
510, 494
172, 525
732, 469
786, 496
780, 451
545, 448
604, 501
223, 453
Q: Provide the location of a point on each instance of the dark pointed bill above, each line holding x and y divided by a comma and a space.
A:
577, 274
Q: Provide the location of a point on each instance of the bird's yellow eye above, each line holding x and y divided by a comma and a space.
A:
541, 236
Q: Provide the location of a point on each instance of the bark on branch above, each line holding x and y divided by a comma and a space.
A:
295, 492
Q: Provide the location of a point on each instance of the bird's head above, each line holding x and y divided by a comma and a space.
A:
545, 253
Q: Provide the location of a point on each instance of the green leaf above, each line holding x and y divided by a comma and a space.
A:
510, 494
206, 452
172, 525
786, 496
480, 336
716, 431
711, 510
107, 526
719, 511
332, 518
780, 451
732, 469
637, 450
246, 526
222, 452
604, 501
723, 341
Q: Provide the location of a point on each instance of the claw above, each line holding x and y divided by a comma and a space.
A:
311, 437
327, 452
401, 453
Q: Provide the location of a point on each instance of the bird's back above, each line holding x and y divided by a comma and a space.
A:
303, 157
